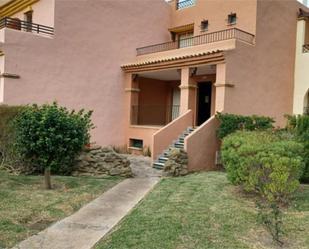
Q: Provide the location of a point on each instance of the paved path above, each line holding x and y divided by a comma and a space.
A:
88, 225
141, 167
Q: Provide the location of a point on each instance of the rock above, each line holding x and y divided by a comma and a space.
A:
115, 171
100, 162
88, 159
177, 163
95, 152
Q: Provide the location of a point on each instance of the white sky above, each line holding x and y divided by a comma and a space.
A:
305, 2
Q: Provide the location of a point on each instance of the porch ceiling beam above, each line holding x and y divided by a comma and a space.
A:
213, 58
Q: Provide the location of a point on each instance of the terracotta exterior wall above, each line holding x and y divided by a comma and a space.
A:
201, 146
80, 66
216, 12
263, 75
154, 101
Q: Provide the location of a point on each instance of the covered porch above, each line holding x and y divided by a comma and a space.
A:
155, 98
162, 96
164, 99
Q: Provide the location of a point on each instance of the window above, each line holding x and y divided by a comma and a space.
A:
204, 25
28, 16
136, 143
181, 4
232, 18
185, 39
28, 19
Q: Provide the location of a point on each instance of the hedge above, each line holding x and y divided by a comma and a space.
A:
299, 125
264, 162
230, 123
8, 157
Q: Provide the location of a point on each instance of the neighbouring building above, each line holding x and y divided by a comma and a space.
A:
301, 87
156, 72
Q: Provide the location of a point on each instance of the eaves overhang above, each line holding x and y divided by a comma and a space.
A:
12, 7
202, 58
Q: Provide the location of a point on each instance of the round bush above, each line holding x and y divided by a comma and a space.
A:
263, 162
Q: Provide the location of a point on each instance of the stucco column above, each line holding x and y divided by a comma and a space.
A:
187, 92
301, 77
131, 99
220, 87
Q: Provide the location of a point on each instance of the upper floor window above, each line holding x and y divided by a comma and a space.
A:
204, 25
181, 4
185, 39
28, 16
232, 19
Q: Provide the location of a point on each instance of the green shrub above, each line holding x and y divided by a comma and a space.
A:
263, 162
299, 125
51, 137
269, 164
230, 123
8, 157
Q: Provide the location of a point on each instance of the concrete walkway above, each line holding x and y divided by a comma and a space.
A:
88, 225
141, 167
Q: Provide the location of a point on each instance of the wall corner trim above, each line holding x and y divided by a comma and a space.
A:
132, 90
224, 85
10, 75
188, 87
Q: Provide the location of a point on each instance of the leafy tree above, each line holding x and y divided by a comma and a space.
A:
51, 137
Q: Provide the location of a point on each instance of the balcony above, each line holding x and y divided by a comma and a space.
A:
16, 24
217, 36
306, 48
181, 4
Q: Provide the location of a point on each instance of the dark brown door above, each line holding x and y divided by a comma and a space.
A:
204, 102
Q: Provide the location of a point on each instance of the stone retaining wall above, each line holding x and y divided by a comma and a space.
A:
97, 161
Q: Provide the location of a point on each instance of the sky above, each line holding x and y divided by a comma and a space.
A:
305, 2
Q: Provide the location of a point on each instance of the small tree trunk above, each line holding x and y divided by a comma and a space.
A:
47, 178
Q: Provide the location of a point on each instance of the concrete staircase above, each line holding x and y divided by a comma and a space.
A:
179, 143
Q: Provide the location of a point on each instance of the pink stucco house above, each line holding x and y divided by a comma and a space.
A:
155, 72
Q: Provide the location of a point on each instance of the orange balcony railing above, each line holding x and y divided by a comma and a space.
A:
222, 35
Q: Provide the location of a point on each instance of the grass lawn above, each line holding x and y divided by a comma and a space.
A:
26, 208
204, 211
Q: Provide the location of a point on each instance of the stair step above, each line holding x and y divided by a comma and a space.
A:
162, 159
158, 165
177, 144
